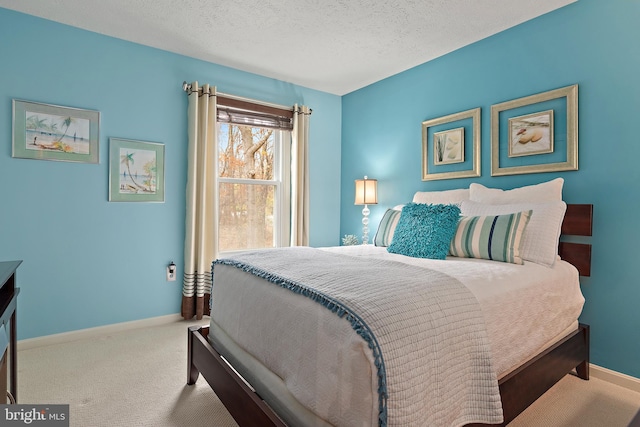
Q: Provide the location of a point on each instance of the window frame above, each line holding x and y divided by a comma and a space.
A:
281, 182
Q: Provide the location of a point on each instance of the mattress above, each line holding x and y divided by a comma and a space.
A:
525, 307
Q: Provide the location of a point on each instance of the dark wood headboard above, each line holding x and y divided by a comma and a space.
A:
578, 221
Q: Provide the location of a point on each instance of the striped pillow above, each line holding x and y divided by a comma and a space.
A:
387, 227
494, 237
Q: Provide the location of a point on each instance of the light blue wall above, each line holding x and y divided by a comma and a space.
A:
592, 43
88, 262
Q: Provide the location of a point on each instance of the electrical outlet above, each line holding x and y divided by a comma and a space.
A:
171, 272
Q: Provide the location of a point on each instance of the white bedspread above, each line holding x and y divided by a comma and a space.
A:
331, 374
525, 306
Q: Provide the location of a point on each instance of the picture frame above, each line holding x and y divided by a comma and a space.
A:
463, 127
54, 132
136, 171
448, 146
531, 134
551, 117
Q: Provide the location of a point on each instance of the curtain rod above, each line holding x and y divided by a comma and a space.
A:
187, 87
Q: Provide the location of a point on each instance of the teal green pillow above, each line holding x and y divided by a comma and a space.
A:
425, 231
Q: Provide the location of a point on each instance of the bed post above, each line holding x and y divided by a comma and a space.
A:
192, 371
583, 368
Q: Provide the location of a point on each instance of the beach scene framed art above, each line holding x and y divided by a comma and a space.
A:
136, 171
53, 132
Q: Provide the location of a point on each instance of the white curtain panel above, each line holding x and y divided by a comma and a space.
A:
300, 176
201, 222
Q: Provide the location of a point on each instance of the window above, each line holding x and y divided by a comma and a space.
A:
253, 178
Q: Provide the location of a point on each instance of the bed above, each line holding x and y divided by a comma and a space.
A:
258, 390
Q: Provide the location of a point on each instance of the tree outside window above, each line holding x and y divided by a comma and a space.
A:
250, 185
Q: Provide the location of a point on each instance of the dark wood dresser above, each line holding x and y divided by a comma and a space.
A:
8, 301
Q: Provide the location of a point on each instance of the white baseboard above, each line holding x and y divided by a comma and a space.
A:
617, 378
92, 332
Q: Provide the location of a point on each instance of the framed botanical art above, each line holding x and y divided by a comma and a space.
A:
451, 146
52, 132
537, 133
448, 146
136, 171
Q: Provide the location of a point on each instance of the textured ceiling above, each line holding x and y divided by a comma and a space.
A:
335, 46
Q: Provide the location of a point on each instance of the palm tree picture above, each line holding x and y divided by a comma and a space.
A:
51, 132
138, 171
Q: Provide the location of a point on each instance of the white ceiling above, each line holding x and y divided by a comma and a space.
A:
335, 46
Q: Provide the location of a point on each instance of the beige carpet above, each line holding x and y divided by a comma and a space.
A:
138, 378
132, 378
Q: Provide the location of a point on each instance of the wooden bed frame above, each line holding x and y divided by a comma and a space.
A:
518, 390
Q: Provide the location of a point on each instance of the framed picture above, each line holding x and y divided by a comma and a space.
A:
52, 132
451, 146
448, 146
537, 133
531, 134
136, 171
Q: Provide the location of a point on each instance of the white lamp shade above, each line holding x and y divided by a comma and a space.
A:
366, 191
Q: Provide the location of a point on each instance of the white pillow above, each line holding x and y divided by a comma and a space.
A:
542, 234
447, 197
549, 191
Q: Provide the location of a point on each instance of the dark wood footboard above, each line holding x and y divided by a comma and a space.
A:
244, 405
526, 384
518, 390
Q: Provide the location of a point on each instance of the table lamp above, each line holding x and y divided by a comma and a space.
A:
366, 194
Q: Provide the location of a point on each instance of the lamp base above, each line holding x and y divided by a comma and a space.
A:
365, 225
